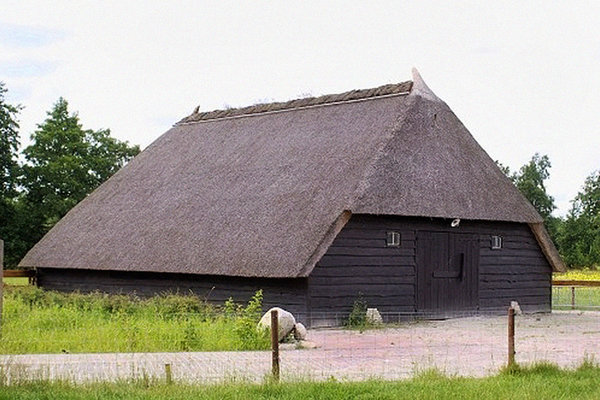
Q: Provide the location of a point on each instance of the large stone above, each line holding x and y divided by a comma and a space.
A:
300, 331
373, 316
285, 319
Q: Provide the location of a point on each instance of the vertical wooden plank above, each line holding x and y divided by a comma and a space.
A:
572, 297
425, 292
275, 344
441, 249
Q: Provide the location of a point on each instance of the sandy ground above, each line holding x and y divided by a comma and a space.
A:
474, 346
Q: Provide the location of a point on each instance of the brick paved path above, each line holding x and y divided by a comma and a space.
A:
465, 346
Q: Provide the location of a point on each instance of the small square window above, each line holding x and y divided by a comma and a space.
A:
496, 242
393, 239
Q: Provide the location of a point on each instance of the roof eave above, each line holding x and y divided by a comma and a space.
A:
548, 248
323, 246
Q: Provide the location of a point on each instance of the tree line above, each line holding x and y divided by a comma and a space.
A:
65, 162
576, 236
40, 183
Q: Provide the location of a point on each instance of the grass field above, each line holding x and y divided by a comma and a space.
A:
38, 321
539, 382
585, 297
16, 281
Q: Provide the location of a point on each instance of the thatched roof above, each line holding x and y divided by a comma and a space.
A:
263, 190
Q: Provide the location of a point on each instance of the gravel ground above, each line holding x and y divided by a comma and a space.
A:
474, 346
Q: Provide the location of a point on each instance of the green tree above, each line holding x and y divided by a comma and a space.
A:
9, 172
9, 145
65, 163
529, 179
580, 236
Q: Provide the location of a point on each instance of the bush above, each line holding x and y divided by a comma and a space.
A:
358, 316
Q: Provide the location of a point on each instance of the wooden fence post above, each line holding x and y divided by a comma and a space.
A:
275, 344
168, 374
572, 297
511, 336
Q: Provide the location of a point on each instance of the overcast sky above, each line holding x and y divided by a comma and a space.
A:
524, 77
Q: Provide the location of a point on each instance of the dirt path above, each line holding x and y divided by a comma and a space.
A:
466, 346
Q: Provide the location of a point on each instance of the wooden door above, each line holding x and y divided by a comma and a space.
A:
447, 271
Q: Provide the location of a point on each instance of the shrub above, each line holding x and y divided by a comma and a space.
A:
358, 315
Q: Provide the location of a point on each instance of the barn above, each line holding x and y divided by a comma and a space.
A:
380, 193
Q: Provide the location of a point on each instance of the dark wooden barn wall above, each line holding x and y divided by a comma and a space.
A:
359, 261
519, 271
291, 292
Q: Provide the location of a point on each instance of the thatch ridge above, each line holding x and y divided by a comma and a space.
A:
352, 95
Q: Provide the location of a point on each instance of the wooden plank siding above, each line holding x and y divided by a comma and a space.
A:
359, 261
519, 271
215, 289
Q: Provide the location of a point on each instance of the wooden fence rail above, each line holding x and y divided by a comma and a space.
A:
19, 273
576, 283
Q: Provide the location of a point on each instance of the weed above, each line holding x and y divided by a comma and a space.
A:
246, 324
358, 316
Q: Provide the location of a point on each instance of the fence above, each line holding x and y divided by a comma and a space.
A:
470, 345
20, 273
580, 295
473, 346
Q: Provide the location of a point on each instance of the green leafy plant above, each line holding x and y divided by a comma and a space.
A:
246, 324
231, 309
358, 316
40, 321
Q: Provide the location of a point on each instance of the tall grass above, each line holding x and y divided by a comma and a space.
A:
537, 382
38, 321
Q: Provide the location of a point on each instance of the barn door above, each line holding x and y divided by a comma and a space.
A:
447, 271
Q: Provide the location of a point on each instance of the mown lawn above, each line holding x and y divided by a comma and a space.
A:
38, 321
539, 382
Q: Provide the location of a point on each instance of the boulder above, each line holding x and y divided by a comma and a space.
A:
373, 316
300, 331
285, 319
